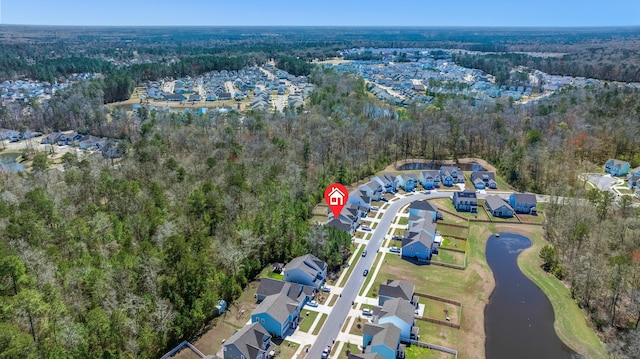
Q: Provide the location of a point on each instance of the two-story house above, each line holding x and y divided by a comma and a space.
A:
616, 167
372, 189
399, 312
418, 240
430, 179
397, 289
307, 270
251, 342
407, 181
382, 340
450, 175
483, 180
465, 201
523, 203
278, 314
387, 181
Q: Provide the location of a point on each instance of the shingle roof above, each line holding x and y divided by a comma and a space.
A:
372, 185
480, 175
386, 334
422, 231
308, 263
430, 173
495, 202
467, 193
397, 289
365, 356
278, 306
424, 206
525, 198
249, 339
397, 307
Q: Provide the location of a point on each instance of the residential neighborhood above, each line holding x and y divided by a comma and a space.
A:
26, 90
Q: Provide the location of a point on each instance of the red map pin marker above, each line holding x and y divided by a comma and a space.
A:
336, 196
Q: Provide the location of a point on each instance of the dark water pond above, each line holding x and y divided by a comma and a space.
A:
519, 317
8, 162
436, 166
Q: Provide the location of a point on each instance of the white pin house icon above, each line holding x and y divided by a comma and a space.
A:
336, 197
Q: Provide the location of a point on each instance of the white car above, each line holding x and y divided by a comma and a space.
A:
312, 303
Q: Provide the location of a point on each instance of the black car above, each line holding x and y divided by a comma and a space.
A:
366, 271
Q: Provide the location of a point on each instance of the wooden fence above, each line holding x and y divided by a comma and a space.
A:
439, 322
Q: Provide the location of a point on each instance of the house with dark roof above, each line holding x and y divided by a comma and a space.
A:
278, 314
465, 201
418, 240
397, 289
251, 342
306, 270
365, 356
388, 182
483, 180
523, 203
430, 179
450, 175
270, 286
418, 209
498, 207
372, 189
616, 167
361, 198
407, 181
399, 312
633, 181
383, 340
348, 219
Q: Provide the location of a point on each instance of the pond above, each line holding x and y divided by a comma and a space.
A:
519, 317
435, 165
8, 162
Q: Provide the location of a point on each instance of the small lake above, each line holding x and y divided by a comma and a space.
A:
8, 162
412, 166
519, 317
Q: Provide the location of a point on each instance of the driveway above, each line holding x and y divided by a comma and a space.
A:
603, 182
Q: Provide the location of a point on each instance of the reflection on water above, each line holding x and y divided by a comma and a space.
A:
8, 162
412, 166
519, 317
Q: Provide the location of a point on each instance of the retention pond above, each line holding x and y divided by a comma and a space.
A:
519, 317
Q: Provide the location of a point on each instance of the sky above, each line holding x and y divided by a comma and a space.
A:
321, 13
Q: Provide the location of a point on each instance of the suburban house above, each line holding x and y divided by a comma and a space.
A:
523, 203
450, 175
419, 209
361, 198
388, 182
430, 179
383, 340
465, 201
365, 356
407, 181
399, 312
484, 180
349, 218
372, 189
251, 342
306, 270
278, 314
270, 286
397, 289
616, 167
633, 181
635, 172
498, 207
418, 240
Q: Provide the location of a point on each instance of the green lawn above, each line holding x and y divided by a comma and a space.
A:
269, 273
440, 335
435, 309
371, 271
416, 352
357, 255
456, 243
348, 346
529, 218
308, 317
354, 328
449, 257
287, 349
452, 231
403, 221
571, 325
318, 327
445, 203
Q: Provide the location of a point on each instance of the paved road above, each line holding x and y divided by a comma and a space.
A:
338, 315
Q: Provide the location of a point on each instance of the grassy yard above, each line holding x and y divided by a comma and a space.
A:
449, 257
529, 218
452, 231
371, 273
353, 348
398, 232
403, 221
308, 317
571, 325
323, 318
416, 352
435, 309
454, 243
354, 328
445, 203
357, 255
286, 349
269, 273
441, 335
359, 235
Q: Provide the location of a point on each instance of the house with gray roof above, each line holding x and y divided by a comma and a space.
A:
251, 342
278, 314
397, 289
616, 167
388, 182
399, 312
430, 179
270, 286
498, 207
483, 180
348, 219
365, 356
523, 203
307, 270
465, 201
418, 240
383, 340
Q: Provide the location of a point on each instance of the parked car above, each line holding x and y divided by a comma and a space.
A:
396, 238
325, 352
384, 199
364, 253
394, 250
367, 312
326, 289
312, 303
366, 271
375, 208
366, 228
